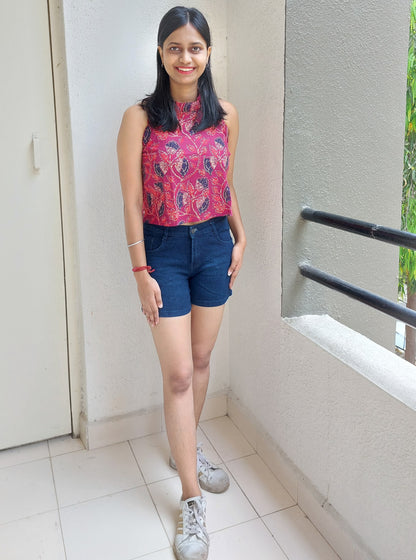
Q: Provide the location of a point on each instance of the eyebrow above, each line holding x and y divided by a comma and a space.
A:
175, 43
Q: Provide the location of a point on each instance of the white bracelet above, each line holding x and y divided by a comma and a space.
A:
137, 242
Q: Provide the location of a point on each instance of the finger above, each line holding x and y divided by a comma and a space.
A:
234, 275
154, 315
235, 263
148, 313
154, 319
158, 298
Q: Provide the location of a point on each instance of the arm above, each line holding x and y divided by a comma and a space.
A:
235, 221
129, 150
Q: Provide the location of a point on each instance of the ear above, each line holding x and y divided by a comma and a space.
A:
209, 53
160, 53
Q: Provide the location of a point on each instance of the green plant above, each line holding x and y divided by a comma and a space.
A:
407, 260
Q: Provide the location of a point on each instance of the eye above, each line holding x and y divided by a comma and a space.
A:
196, 49
174, 49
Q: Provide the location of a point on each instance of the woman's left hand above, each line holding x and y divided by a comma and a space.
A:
236, 262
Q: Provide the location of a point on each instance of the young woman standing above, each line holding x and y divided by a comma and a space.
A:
176, 155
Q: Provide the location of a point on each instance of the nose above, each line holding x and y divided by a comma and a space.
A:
185, 57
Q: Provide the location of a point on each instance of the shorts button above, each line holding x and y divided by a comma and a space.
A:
193, 230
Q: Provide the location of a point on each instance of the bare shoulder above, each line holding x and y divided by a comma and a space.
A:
135, 116
231, 117
231, 111
132, 129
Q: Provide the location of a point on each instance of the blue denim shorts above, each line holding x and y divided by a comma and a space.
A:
191, 264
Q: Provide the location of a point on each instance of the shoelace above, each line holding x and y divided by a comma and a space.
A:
203, 463
193, 522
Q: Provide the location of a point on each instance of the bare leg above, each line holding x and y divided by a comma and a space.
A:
205, 324
172, 338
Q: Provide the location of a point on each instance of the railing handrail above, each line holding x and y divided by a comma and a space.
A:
377, 302
366, 229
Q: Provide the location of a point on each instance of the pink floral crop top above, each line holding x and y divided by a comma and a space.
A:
185, 172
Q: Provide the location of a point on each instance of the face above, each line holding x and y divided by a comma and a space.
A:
185, 55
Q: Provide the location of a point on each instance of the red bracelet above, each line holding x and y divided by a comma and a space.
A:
140, 268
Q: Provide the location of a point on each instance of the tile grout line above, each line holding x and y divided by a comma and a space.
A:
111, 494
59, 509
273, 537
224, 461
25, 462
259, 517
28, 445
247, 497
57, 503
238, 484
31, 516
101, 496
136, 460
242, 491
252, 505
150, 495
160, 519
318, 531
289, 507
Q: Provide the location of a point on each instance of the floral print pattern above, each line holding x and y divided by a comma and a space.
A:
185, 172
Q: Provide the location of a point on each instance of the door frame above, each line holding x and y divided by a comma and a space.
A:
74, 320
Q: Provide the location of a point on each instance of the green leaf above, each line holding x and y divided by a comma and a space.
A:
407, 257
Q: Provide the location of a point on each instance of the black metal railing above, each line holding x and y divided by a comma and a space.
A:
380, 233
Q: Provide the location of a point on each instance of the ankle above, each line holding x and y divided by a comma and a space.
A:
188, 495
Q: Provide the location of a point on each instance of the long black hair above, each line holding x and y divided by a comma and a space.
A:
159, 106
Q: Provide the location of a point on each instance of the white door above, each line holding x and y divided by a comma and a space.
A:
34, 385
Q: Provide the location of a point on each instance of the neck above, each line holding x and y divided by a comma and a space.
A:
184, 94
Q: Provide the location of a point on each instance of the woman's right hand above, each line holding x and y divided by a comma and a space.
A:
150, 297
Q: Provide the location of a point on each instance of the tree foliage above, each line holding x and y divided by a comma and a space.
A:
407, 265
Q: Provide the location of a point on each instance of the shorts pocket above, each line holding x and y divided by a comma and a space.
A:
154, 241
222, 232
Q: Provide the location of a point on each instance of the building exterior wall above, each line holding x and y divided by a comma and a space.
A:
344, 133
343, 150
335, 420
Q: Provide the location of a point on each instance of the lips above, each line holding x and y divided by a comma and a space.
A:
185, 69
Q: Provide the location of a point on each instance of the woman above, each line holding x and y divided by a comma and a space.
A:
176, 155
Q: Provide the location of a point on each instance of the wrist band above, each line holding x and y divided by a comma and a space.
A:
140, 268
137, 242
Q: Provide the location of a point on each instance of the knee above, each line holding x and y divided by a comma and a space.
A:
201, 360
180, 381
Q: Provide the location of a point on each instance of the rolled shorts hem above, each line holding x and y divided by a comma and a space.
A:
181, 312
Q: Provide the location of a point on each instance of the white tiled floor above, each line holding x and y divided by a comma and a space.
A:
61, 502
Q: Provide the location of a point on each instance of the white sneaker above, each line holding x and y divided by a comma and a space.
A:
191, 540
211, 478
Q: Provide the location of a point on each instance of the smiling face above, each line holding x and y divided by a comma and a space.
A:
184, 55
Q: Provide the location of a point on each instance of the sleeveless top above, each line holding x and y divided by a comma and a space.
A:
185, 172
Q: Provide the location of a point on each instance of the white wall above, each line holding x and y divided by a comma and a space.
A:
111, 59
256, 87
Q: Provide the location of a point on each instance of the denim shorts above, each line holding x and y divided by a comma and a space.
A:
191, 264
